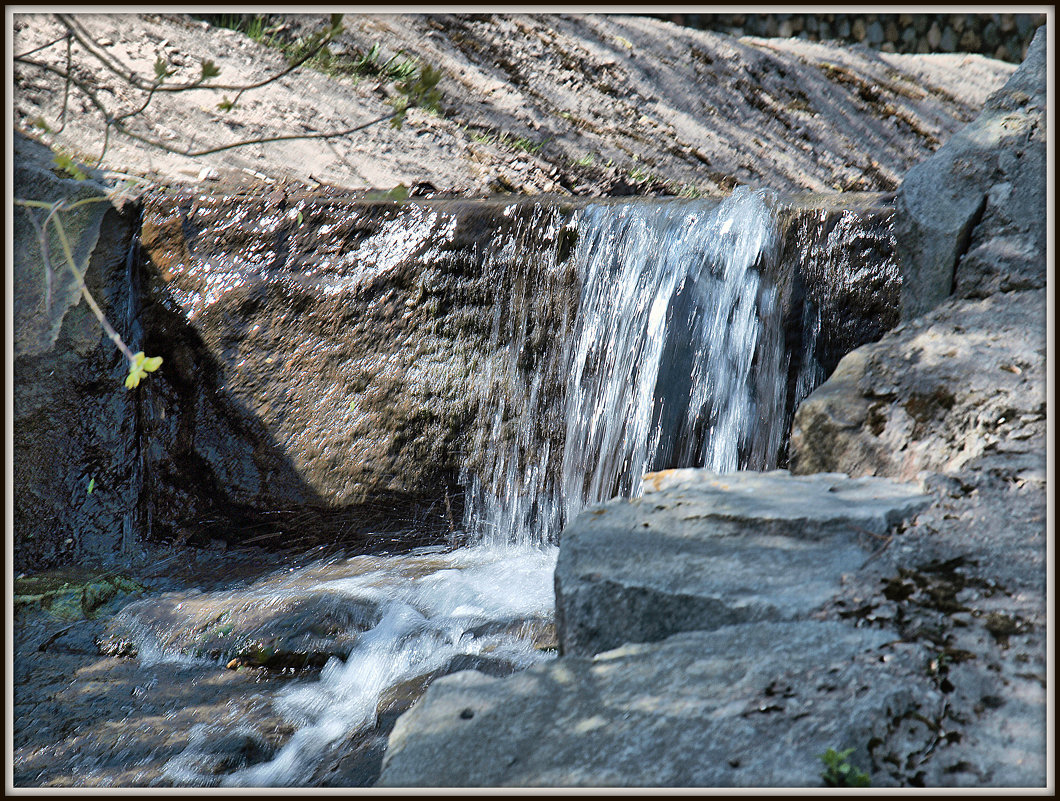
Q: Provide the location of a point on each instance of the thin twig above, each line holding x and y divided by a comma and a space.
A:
122, 128
134, 112
115, 337
131, 77
90, 94
49, 273
66, 84
43, 46
263, 139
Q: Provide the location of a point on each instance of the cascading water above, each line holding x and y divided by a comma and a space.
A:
663, 363
675, 360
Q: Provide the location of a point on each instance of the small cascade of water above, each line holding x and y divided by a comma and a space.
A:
511, 485
673, 358
670, 364
437, 611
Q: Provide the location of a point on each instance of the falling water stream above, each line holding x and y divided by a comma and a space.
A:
676, 359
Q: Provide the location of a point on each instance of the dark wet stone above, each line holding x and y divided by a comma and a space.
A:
324, 359
73, 419
284, 632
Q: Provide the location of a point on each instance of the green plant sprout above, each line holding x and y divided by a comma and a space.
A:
420, 92
139, 364
839, 772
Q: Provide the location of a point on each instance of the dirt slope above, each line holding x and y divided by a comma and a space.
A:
569, 104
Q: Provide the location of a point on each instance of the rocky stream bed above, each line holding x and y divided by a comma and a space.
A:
917, 637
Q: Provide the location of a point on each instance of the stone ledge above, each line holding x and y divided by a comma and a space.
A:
749, 705
702, 550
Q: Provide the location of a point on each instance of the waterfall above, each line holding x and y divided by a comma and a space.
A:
675, 360
672, 356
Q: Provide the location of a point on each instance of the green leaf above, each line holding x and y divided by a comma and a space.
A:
841, 773
299, 218
226, 104
140, 367
421, 92
66, 163
209, 70
161, 70
41, 123
91, 485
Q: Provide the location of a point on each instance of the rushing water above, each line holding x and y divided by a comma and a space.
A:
676, 359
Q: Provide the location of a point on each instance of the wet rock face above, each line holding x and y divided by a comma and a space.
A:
73, 419
839, 286
324, 360
335, 369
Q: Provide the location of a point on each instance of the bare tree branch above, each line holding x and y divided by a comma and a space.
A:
117, 122
42, 47
128, 75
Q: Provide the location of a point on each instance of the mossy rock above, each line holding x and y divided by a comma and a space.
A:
73, 593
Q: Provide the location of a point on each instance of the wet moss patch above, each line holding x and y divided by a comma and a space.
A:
73, 593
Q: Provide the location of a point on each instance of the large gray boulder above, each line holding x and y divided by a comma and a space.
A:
700, 550
746, 705
933, 394
972, 218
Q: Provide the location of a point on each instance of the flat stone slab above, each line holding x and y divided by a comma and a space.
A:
748, 705
700, 550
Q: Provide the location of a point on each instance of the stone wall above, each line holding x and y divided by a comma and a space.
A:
1001, 36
